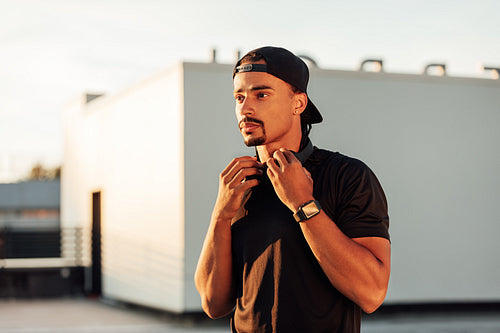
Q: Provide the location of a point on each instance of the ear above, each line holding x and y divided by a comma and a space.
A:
300, 100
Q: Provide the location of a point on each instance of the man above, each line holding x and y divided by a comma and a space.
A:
298, 239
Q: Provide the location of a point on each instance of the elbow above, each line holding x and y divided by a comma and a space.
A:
216, 311
213, 304
216, 303
374, 300
375, 293
370, 308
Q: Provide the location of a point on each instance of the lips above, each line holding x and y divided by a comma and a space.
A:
249, 127
248, 124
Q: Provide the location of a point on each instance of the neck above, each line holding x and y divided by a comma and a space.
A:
266, 151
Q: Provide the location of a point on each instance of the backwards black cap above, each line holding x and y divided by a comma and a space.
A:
286, 66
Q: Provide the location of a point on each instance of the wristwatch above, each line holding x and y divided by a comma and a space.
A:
307, 210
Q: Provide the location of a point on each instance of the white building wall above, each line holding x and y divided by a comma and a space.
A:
129, 147
75, 201
74, 212
156, 151
143, 247
432, 141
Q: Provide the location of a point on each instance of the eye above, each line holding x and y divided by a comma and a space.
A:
239, 98
262, 95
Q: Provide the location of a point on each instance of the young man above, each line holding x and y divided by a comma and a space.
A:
298, 240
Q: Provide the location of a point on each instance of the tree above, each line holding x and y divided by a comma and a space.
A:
40, 173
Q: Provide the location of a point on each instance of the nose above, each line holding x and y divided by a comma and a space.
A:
246, 107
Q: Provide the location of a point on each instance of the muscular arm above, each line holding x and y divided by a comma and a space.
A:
359, 268
213, 277
214, 273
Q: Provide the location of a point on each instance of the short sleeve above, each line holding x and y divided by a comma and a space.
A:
361, 209
350, 195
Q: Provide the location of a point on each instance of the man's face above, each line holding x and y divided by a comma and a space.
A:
265, 107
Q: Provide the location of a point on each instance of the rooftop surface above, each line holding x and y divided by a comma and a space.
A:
80, 315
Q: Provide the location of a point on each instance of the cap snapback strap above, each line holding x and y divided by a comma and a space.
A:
250, 68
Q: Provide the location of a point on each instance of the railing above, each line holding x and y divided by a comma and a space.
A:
54, 247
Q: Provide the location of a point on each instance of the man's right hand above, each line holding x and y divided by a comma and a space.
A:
233, 184
214, 273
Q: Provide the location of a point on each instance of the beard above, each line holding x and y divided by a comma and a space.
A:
254, 141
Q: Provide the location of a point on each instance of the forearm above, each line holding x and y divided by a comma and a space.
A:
213, 276
358, 272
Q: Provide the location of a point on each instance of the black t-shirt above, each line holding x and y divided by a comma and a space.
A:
280, 286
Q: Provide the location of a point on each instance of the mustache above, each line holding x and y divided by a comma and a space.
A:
250, 120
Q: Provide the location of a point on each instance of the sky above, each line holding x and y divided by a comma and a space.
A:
52, 51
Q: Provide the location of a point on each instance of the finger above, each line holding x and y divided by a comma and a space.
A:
242, 166
243, 174
289, 155
272, 167
234, 161
280, 158
245, 185
246, 161
308, 174
239, 164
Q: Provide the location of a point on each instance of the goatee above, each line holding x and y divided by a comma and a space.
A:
252, 142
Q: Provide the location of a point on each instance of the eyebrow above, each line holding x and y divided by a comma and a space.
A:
256, 88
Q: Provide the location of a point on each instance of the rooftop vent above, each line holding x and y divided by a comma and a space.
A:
435, 69
310, 62
372, 65
495, 71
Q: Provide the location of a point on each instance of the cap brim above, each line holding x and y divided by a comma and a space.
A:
311, 114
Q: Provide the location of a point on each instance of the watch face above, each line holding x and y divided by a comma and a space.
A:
310, 209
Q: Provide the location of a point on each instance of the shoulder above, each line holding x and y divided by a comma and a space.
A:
338, 163
344, 174
352, 195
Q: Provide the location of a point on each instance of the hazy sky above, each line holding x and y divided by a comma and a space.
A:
53, 50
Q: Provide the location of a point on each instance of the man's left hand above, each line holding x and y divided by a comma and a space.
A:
291, 181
